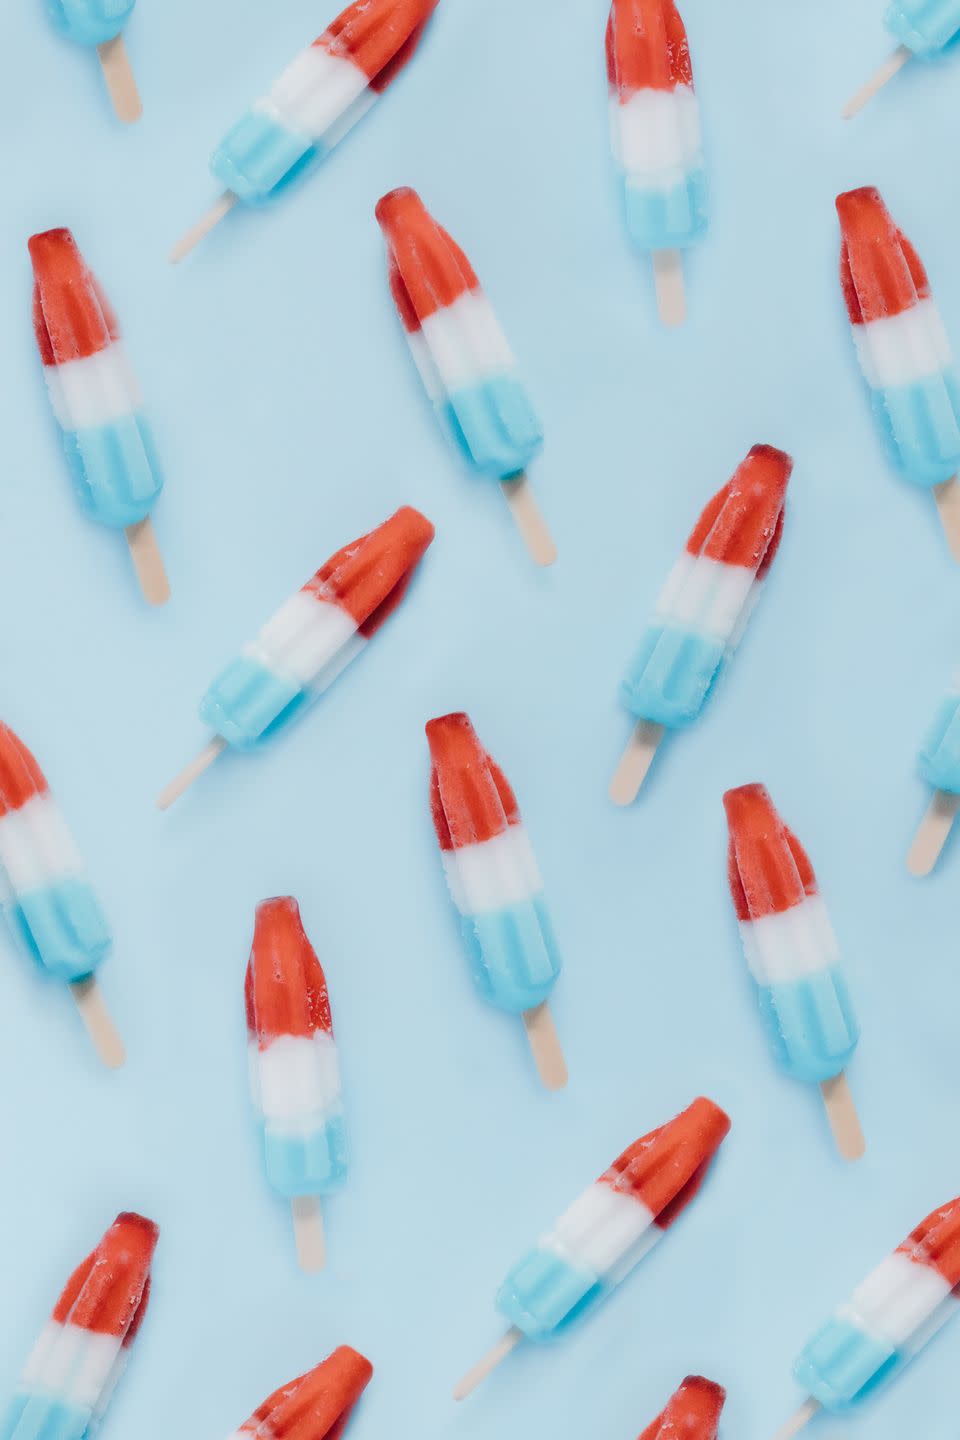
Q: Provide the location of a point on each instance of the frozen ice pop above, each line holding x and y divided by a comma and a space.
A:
605, 1233
655, 132
97, 402
793, 956
940, 767
903, 350
463, 357
101, 23
294, 1073
316, 102
315, 1406
692, 1413
45, 895
81, 1354
495, 885
921, 27
703, 610
310, 640
888, 1320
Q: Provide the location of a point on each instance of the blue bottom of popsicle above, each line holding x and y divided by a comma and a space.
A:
494, 426
842, 1365
90, 22
667, 219
39, 1417
62, 927
924, 26
115, 470
812, 1026
940, 756
671, 677
311, 1164
514, 959
543, 1294
247, 702
921, 426
259, 157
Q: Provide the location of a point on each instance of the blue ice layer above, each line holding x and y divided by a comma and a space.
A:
671, 677
924, 26
543, 1294
260, 156
811, 1024
310, 1164
514, 959
921, 426
248, 702
494, 426
40, 1417
115, 470
667, 219
842, 1365
940, 756
90, 22
62, 927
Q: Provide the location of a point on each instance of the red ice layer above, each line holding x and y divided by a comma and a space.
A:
108, 1293
743, 523
285, 988
428, 270
20, 776
647, 47
692, 1413
768, 869
378, 36
880, 271
316, 1406
72, 318
470, 798
936, 1242
665, 1169
369, 578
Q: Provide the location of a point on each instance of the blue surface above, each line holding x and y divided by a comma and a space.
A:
288, 418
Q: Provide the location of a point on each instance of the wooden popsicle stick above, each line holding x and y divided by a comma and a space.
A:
843, 1117
193, 771
121, 83
933, 833
947, 496
636, 762
668, 280
529, 521
803, 1417
148, 562
96, 1017
203, 227
489, 1363
887, 70
545, 1044
308, 1233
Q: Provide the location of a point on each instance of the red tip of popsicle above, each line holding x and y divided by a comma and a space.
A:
315, 1406
20, 776
72, 318
428, 270
378, 36
369, 578
742, 524
936, 1242
470, 797
768, 869
108, 1292
666, 1168
692, 1413
647, 47
285, 989
880, 271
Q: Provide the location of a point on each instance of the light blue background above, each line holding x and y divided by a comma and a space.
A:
290, 420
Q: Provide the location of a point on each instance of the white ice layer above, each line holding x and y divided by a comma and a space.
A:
493, 873
791, 945
707, 596
308, 641
605, 1232
656, 137
315, 94
36, 848
295, 1081
460, 346
94, 390
75, 1365
902, 1303
902, 349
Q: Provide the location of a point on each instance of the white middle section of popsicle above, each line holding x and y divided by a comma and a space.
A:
73, 1364
493, 874
460, 346
656, 136
790, 945
605, 1232
36, 848
901, 1304
295, 1081
309, 641
708, 596
318, 97
94, 390
902, 349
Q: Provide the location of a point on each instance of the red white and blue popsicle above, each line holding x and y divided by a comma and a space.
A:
100, 24
692, 1412
315, 1406
922, 28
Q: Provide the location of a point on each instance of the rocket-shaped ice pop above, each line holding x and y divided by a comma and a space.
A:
315, 1406
101, 23
692, 1412
922, 28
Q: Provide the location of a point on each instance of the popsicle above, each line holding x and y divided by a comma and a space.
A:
888, 1320
605, 1233
97, 402
940, 767
655, 133
903, 351
45, 895
294, 1072
921, 28
101, 23
793, 956
703, 610
310, 640
82, 1351
315, 1406
692, 1413
315, 103
464, 360
495, 885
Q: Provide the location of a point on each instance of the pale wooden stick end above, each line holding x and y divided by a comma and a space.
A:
933, 833
120, 80
668, 280
99, 1026
214, 215
802, 1418
947, 496
843, 1117
545, 1045
635, 765
489, 1363
308, 1233
148, 562
193, 771
529, 520
876, 83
